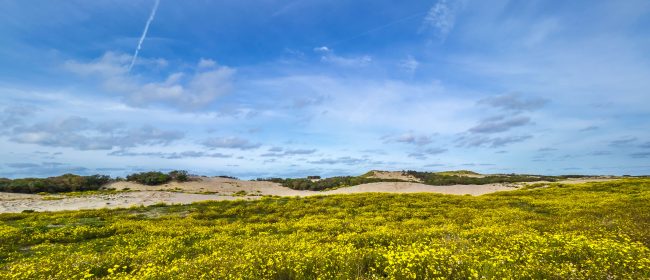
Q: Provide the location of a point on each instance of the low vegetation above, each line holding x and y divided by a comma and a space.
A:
228, 177
459, 172
325, 184
63, 183
154, 178
75, 183
582, 231
462, 177
448, 178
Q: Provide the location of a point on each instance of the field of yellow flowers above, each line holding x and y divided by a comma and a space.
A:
585, 231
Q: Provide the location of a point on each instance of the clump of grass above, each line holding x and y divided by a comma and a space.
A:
240, 193
52, 197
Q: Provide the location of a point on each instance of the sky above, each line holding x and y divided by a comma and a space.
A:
324, 87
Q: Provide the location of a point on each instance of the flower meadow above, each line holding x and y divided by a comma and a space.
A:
583, 231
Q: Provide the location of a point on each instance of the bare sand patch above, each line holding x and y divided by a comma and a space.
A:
213, 185
113, 200
392, 175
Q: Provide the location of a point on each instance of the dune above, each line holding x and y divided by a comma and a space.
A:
216, 188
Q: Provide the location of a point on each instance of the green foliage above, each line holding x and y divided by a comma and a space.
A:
325, 184
441, 179
152, 178
63, 183
179, 175
240, 193
228, 177
458, 172
582, 231
430, 178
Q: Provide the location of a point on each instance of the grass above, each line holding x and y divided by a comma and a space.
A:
581, 231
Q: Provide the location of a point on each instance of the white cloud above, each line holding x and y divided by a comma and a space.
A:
230, 143
409, 138
109, 64
328, 56
207, 63
409, 64
323, 49
82, 134
499, 124
357, 61
184, 91
441, 18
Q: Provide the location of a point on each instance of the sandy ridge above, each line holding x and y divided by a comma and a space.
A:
215, 188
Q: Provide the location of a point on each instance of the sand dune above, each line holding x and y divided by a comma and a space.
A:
404, 187
215, 188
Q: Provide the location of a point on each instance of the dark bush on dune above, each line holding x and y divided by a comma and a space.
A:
151, 178
324, 184
63, 183
179, 175
154, 178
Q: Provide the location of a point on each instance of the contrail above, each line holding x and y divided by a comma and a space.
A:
378, 28
144, 33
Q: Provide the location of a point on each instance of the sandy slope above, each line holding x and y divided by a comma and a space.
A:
392, 175
399, 187
214, 189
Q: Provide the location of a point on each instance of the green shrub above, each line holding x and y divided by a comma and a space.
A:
63, 183
151, 178
179, 175
327, 183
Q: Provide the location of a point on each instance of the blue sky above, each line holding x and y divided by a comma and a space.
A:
311, 87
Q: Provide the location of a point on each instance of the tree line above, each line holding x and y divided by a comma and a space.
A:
325, 184
74, 183
433, 178
63, 183
429, 178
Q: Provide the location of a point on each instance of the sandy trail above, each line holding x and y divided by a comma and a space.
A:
217, 189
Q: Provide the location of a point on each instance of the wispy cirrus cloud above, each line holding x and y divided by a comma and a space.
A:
424, 154
174, 155
489, 142
514, 102
441, 17
328, 56
16, 115
340, 160
230, 143
623, 142
409, 64
409, 138
278, 152
499, 124
640, 155
43, 169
